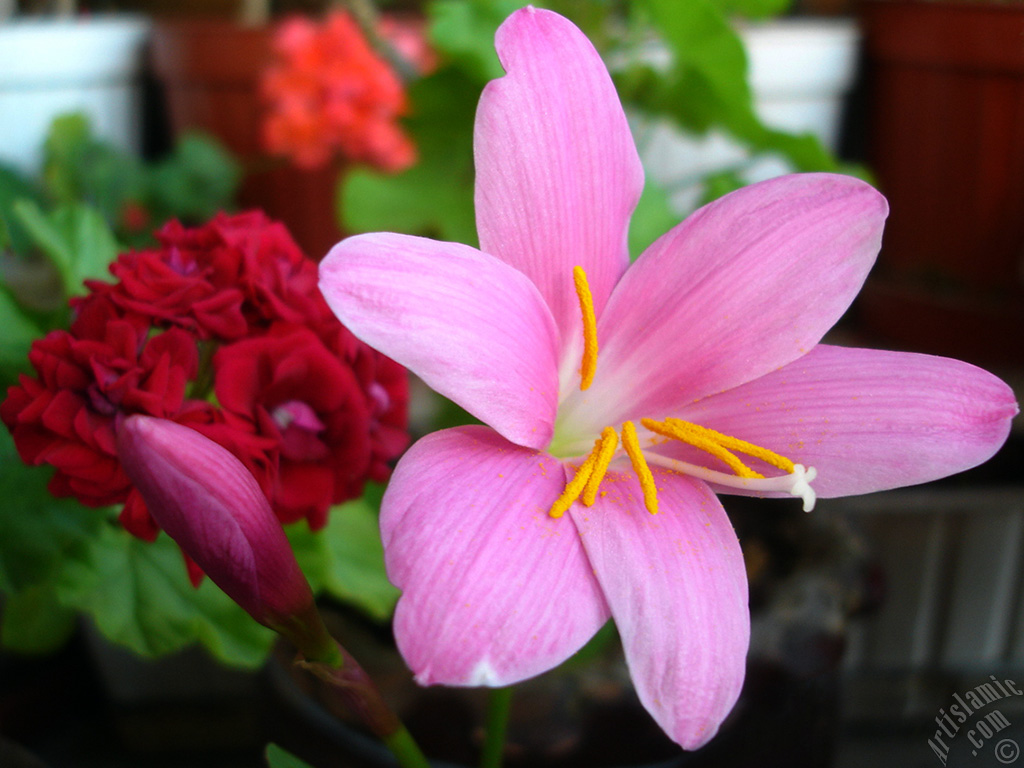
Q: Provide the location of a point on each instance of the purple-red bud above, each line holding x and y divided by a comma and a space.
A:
210, 504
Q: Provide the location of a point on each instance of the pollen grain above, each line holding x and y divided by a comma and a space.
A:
643, 472
589, 365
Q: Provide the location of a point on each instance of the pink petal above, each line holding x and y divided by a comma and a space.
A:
557, 173
677, 589
472, 327
494, 590
742, 287
866, 419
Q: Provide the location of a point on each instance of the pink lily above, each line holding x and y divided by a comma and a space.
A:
552, 339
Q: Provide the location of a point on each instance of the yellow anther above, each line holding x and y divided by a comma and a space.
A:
735, 444
575, 487
605, 450
696, 436
643, 472
589, 365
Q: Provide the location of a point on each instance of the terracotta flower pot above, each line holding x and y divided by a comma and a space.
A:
210, 70
946, 81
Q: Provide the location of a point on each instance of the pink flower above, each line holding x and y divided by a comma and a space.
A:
211, 505
697, 369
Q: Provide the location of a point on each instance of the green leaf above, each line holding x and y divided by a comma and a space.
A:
34, 621
13, 186
464, 31
753, 9
38, 532
346, 558
80, 168
76, 238
707, 85
198, 179
18, 333
708, 81
278, 758
722, 183
435, 196
652, 218
140, 597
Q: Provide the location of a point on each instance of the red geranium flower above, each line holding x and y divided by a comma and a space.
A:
106, 365
324, 420
231, 307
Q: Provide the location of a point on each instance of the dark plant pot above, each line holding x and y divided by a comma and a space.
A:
210, 72
13, 755
945, 82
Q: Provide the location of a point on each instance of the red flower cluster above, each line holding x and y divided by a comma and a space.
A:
328, 93
228, 313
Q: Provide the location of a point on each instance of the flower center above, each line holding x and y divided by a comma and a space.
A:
301, 431
585, 484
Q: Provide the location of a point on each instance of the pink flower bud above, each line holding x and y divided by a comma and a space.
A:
211, 505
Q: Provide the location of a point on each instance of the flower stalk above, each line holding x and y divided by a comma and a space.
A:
350, 683
499, 703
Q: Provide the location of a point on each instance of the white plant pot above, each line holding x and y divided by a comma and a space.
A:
54, 66
800, 70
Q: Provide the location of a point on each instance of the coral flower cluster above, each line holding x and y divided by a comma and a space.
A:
328, 94
220, 328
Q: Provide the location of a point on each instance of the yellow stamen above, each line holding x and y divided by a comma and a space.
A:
605, 450
643, 472
735, 444
575, 487
589, 365
693, 435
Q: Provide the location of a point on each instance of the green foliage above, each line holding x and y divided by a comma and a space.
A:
705, 87
278, 758
753, 9
91, 202
346, 558
75, 237
463, 30
195, 181
19, 331
79, 168
139, 596
34, 621
38, 532
13, 187
435, 196
58, 558
651, 219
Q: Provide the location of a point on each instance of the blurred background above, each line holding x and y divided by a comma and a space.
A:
870, 615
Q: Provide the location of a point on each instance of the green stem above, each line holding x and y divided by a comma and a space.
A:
351, 685
405, 750
498, 705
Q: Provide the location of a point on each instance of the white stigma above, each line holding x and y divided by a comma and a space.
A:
797, 483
